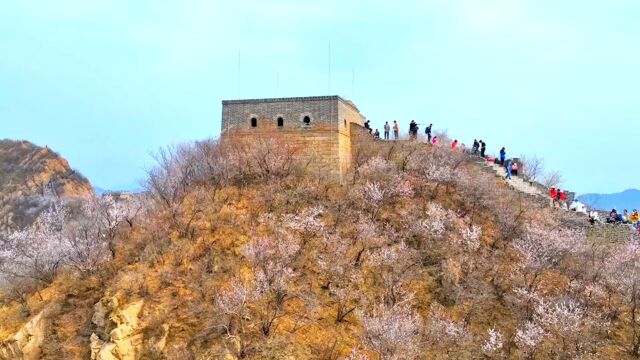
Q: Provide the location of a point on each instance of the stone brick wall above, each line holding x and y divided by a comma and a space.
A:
326, 140
611, 232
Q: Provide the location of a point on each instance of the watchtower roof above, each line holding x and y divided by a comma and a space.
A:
292, 99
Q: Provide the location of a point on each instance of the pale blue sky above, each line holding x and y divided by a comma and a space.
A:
107, 82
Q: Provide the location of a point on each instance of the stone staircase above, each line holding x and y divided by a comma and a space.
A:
532, 190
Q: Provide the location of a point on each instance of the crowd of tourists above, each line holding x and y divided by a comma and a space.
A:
558, 197
478, 148
625, 217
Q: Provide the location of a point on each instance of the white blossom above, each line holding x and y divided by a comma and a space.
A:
529, 335
493, 343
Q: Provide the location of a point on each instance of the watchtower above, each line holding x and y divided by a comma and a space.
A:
321, 125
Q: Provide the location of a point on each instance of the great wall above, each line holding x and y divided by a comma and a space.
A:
327, 127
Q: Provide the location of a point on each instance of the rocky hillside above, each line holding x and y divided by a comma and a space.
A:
240, 253
30, 176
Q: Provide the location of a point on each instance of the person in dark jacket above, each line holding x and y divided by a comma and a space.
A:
427, 132
476, 146
483, 148
413, 129
503, 155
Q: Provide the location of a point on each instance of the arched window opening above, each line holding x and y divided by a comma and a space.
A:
280, 121
306, 120
254, 122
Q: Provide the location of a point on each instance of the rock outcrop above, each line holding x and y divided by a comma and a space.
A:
25, 344
119, 328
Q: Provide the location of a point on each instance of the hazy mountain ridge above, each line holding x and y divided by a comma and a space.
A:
628, 199
30, 176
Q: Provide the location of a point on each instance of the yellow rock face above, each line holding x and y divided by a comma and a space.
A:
124, 342
25, 344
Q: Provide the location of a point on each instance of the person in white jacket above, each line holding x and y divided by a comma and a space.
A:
578, 207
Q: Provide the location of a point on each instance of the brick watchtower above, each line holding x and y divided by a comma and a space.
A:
321, 125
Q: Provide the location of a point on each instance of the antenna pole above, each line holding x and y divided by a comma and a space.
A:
329, 73
353, 83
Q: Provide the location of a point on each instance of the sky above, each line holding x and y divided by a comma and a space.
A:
107, 83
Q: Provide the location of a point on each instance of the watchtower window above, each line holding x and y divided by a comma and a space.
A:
280, 121
254, 122
306, 120
345, 122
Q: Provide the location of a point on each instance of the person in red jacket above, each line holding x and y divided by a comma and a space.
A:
454, 144
554, 196
562, 198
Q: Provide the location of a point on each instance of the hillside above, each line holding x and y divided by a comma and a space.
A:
241, 253
30, 176
628, 199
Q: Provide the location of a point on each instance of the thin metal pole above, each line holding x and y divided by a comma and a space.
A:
329, 73
353, 83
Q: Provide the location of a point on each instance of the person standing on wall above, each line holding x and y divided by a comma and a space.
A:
413, 129
483, 148
508, 177
427, 132
503, 155
396, 130
386, 130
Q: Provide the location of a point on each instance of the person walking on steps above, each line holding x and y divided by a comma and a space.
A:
475, 147
396, 130
483, 148
503, 155
427, 131
508, 177
386, 130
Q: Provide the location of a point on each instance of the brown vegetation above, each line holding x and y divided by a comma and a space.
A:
240, 253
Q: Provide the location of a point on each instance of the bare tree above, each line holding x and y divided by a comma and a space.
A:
393, 331
532, 168
270, 260
552, 179
58, 239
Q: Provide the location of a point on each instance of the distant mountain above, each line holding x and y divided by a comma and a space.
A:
628, 199
30, 178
